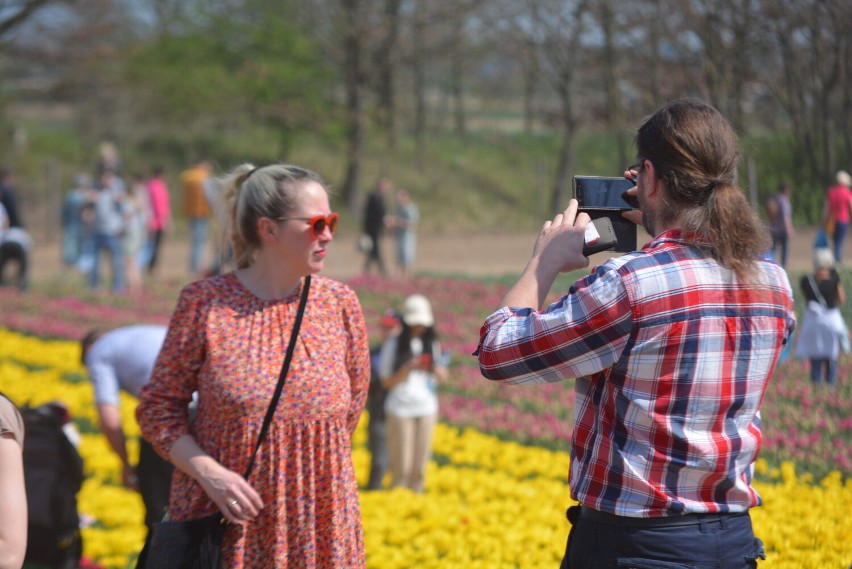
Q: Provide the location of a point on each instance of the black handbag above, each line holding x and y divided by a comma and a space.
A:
196, 544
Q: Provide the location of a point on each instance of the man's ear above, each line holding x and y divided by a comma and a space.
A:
653, 184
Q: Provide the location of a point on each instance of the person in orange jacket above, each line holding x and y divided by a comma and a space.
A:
197, 210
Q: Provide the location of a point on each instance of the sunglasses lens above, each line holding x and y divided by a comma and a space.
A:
319, 223
318, 227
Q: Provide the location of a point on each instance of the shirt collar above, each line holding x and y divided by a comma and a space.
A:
675, 236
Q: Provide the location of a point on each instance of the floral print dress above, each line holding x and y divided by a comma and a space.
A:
229, 346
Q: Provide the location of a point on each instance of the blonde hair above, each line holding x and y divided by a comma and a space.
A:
251, 193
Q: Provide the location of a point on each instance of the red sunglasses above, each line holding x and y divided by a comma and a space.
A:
318, 223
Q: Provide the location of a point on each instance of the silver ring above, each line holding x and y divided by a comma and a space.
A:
234, 503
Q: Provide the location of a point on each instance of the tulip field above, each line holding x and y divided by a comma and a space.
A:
496, 489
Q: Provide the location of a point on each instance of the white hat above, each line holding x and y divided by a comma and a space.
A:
417, 311
844, 179
823, 258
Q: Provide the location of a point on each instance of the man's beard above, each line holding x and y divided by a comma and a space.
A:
649, 219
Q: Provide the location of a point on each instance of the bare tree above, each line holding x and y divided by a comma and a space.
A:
557, 31
727, 35
386, 58
813, 57
16, 13
531, 78
612, 71
437, 46
457, 58
355, 79
418, 65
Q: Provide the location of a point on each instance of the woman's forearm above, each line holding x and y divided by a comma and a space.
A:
191, 459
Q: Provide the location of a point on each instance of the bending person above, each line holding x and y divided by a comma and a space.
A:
121, 360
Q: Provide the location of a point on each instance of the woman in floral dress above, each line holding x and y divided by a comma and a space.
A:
227, 340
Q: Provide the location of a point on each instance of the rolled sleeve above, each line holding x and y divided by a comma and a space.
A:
104, 381
582, 333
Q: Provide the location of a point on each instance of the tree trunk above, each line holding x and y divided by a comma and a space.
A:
530, 86
419, 85
457, 79
614, 107
566, 152
355, 80
386, 60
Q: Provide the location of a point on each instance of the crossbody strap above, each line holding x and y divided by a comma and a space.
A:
282, 377
817, 292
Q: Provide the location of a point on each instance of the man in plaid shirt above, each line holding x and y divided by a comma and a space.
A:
672, 347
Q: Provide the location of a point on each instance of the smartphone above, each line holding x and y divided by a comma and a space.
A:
600, 236
606, 198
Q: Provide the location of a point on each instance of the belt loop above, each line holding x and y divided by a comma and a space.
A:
702, 524
573, 515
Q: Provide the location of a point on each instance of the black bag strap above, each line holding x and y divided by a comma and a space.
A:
282, 377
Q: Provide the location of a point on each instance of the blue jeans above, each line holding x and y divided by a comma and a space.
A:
111, 243
377, 443
780, 241
839, 234
198, 226
725, 541
826, 364
72, 239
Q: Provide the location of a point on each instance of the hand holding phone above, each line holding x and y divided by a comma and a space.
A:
599, 236
608, 198
425, 361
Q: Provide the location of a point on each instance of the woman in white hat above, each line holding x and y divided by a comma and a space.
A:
410, 367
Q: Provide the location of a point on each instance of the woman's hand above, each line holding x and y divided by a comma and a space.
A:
422, 362
441, 373
236, 499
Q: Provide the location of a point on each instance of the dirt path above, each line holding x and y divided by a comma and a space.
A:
492, 254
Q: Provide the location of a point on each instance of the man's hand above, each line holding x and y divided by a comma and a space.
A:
634, 215
558, 249
559, 246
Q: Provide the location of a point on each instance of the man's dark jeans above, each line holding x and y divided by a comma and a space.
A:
713, 542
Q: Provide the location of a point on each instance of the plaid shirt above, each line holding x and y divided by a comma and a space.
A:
672, 355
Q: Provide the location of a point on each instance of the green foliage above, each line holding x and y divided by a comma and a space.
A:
226, 72
484, 182
775, 162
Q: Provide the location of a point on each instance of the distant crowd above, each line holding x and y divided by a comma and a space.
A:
130, 218
126, 218
823, 334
